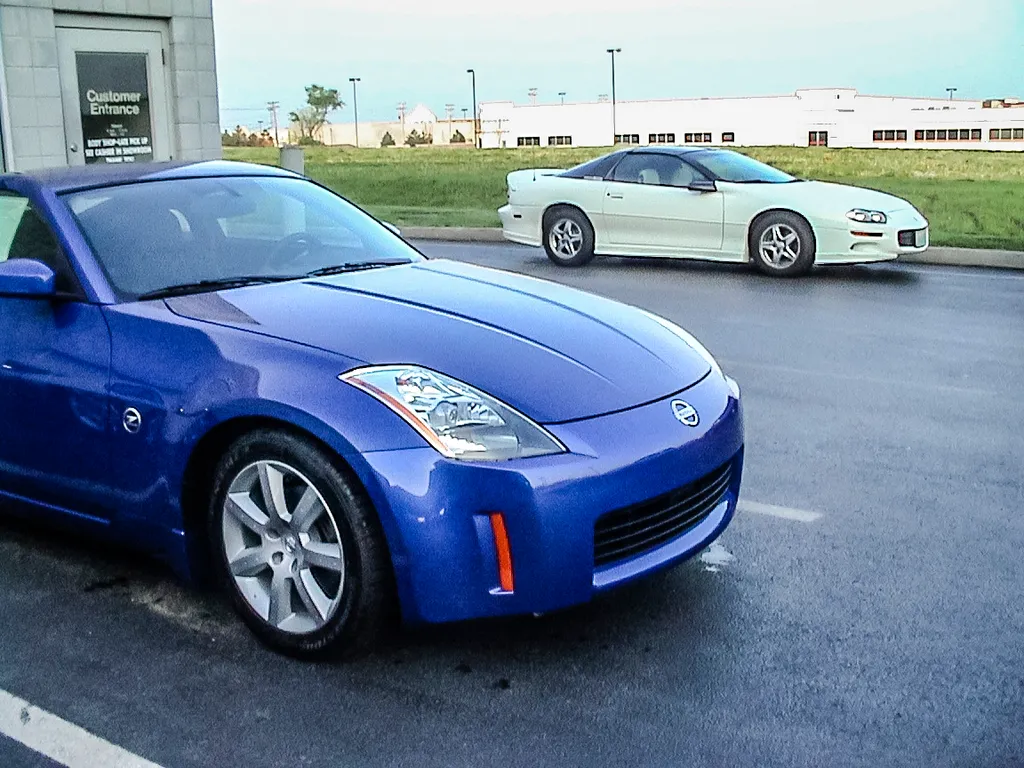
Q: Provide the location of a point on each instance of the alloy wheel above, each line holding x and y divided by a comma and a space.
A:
282, 547
779, 246
566, 238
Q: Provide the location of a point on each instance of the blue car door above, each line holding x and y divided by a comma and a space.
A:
54, 371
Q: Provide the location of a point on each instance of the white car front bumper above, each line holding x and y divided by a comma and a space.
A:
904, 232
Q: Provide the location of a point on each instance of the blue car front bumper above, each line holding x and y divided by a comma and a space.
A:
437, 512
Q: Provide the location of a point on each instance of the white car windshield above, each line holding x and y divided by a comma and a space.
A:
190, 234
725, 165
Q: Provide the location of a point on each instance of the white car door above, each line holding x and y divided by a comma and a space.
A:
647, 206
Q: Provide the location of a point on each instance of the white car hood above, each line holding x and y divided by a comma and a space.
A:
826, 197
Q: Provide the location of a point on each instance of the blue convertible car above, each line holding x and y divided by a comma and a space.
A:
238, 371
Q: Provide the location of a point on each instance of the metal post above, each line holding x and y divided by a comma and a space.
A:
951, 92
355, 107
272, 108
476, 116
615, 128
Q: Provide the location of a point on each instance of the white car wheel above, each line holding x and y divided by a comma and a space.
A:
782, 244
568, 237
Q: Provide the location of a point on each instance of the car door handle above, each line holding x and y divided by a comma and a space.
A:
615, 197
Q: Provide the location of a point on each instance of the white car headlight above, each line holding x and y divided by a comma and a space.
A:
688, 338
458, 420
866, 217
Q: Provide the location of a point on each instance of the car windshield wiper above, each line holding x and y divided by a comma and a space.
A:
355, 266
201, 286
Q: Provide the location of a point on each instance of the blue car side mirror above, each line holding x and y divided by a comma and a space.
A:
26, 278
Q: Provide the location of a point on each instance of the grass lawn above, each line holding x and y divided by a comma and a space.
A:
971, 198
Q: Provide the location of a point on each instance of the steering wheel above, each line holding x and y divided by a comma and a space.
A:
299, 243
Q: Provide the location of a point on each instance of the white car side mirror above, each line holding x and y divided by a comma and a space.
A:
392, 227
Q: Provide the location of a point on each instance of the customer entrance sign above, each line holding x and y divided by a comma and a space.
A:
113, 90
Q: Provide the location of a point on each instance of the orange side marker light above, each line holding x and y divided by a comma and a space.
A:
505, 577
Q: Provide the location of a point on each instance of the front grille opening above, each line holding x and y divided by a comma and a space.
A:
640, 527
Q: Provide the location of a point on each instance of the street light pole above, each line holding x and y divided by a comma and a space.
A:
561, 95
355, 107
615, 128
476, 117
951, 92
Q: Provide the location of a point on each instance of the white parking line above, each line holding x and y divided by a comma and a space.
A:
786, 513
60, 740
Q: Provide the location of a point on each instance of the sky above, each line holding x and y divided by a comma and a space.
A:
418, 52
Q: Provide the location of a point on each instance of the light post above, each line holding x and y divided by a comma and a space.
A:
561, 95
355, 107
951, 91
615, 129
476, 120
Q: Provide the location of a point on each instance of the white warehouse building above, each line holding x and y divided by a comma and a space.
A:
835, 117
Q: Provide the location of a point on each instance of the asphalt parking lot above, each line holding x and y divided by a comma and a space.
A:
864, 609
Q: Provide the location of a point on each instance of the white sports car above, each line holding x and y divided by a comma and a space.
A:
705, 203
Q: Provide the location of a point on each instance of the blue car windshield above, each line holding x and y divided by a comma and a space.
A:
154, 235
725, 165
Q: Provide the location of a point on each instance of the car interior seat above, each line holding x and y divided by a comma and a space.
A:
649, 176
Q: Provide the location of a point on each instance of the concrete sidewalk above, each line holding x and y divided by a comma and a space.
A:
959, 257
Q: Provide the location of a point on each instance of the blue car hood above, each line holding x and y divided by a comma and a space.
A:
553, 353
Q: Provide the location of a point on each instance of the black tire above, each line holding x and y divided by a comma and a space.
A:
773, 258
364, 598
570, 227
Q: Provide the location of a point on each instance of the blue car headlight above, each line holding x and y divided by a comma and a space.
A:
458, 420
866, 217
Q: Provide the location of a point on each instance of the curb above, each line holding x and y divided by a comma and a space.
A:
950, 257
455, 234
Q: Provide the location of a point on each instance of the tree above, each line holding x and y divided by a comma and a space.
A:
387, 140
458, 138
310, 119
241, 138
415, 138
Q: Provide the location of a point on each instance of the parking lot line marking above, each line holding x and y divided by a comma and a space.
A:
59, 740
786, 513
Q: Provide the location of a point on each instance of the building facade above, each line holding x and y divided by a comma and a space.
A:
107, 81
835, 117
438, 131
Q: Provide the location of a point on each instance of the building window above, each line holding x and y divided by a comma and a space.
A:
930, 135
559, 141
528, 141
919, 135
965, 134
975, 134
952, 135
728, 138
688, 138
892, 135
1018, 134
627, 138
661, 138
1006, 134
707, 138
817, 139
